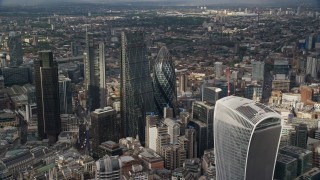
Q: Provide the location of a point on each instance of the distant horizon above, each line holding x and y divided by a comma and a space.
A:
26, 3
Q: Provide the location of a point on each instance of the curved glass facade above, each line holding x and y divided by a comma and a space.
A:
246, 139
164, 82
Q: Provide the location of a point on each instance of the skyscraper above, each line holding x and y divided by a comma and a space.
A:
47, 89
204, 113
218, 69
246, 139
104, 126
164, 82
65, 95
15, 49
313, 66
136, 85
95, 73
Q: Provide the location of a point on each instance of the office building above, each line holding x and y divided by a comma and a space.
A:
109, 148
173, 130
47, 91
15, 49
16, 75
191, 144
94, 73
257, 70
218, 70
108, 168
301, 136
253, 92
151, 159
204, 113
298, 10
3, 94
164, 83
281, 85
174, 156
303, 156
3, 59
151, 132
210, 94
246, 139
223, 85
104, 126
136, 92
313, 66
313, 174
281, 67
201, 135
286, 167
65, 95
74, 49
69, 123
183, 83
306, 94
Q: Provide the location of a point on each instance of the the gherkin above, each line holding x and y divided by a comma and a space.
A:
164, 82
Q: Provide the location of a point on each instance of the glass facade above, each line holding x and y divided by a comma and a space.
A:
246, 139
47, 90
164, 83
15, 48
94, 73
136, 92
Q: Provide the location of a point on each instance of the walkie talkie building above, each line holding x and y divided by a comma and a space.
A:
246, 139
164, 82
136, 85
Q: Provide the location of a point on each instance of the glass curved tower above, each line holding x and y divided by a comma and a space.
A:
246, 139
164, 82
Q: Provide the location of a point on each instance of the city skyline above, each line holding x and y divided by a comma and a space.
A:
159, 90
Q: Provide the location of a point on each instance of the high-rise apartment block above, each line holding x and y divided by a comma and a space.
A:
94, 73
246, 139
47, 91
136, 92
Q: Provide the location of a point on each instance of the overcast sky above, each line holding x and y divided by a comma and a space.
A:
32, 2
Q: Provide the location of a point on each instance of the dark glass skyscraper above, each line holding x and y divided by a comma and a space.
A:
94, 73
136, 85
246, 139
47, 89
164, 82
15, 48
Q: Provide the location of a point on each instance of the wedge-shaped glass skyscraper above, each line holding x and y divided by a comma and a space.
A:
136, 85
164, 82
246, 139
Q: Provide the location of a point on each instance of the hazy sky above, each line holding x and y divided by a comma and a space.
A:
32, 2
